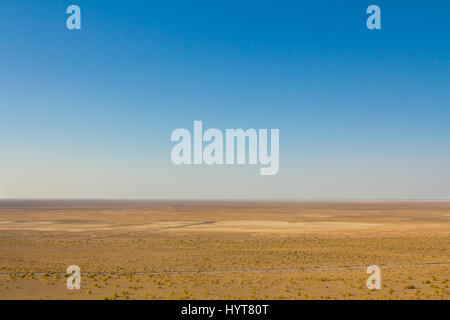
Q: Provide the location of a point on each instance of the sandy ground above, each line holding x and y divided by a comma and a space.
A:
215, 250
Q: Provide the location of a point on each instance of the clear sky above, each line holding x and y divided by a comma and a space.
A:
363, 114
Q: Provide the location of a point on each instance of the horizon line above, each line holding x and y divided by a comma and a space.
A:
224, 199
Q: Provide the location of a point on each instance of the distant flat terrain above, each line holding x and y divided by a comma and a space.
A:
132, 249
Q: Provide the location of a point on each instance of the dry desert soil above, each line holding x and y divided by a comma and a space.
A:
224, 250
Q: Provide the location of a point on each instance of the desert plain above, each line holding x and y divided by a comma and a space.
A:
142, 249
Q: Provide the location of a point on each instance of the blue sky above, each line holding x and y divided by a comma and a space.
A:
363, 114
